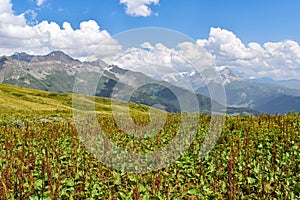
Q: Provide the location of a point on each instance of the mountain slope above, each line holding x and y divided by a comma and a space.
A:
57, 72
13, 98
283, 104
17, 98
243, 91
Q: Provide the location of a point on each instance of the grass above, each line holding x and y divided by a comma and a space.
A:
24, 99
43, 157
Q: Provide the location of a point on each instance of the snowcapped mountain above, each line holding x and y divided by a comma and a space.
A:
198, 80
242, 90
58, 72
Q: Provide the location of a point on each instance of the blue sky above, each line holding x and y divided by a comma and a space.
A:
252, 20
257, 37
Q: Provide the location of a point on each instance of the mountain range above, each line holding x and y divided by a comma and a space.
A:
262, 94
57, 72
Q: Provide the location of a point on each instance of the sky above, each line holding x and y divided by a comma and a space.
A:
252, 20
259, 37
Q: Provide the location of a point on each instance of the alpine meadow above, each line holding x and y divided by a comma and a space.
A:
149, 100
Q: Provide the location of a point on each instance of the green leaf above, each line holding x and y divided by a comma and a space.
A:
39, 183
193, 192
35, 197
251, 180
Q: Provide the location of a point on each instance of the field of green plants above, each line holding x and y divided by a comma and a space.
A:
255, 157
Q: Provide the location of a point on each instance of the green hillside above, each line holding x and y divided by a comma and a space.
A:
13, 98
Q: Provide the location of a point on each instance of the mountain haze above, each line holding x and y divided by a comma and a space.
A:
263, 95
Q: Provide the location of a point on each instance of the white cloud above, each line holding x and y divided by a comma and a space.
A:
139, 7
17, 36
157, 59
40, 2
143, 60
5, 6
222, 42
147, 45
279, 60
106, 48
196, 54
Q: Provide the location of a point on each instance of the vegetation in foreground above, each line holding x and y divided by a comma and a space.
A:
254, 158
42, 157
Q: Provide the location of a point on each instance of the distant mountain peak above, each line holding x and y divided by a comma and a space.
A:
99, 63
116, 69
54, 55
59, 55
3, 59
22, 57
19, 54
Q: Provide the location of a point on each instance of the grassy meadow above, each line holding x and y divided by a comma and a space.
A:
42, 156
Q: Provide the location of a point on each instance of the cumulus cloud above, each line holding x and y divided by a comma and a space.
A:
157, 59
224, 43
17, 36
139, 7
279, 60
18, 33
196, 54
147, 45
143, 59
